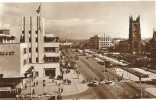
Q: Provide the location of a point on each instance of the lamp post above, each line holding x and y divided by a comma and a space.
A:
104, 69
31, 79
43, 85
30, 91
140, 87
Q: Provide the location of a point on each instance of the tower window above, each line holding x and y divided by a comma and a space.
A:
29, 39
30, 60
36, 49
36, 32
36, 59
29, 50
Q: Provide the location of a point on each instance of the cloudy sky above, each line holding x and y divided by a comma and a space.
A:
81, 20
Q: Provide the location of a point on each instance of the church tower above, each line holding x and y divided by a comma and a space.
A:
134, 34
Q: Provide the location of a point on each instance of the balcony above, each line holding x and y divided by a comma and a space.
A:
49, 54
51, 59
51, 38
51, 44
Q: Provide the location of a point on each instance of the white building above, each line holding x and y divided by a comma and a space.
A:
43, 48
98, 42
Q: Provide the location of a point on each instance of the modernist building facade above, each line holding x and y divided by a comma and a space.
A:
34, 49
13, 59
43, 49
98, 42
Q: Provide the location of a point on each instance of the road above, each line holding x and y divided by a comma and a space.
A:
94, 71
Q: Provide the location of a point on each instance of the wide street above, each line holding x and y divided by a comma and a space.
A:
92, 70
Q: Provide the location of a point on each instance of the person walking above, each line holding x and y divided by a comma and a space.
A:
25, 86
34, 84
33, 91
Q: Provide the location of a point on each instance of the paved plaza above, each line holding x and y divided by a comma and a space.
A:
53, 87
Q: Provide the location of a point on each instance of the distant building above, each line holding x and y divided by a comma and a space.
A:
134, 34
98, 42
116, 41
134, 44
66, 44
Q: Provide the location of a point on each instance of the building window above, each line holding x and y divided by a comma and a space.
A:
25, 62
30, 61
36, 59
36, 32
22, 32
25, 51
29, 39
51, 39
50, 49
36, 39
36, 49
29, 32
29, 50
51, 59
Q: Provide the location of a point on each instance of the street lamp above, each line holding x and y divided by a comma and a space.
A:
43, 85
31, 79
140, 87
104, 69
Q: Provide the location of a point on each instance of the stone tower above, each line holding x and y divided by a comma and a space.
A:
134, 34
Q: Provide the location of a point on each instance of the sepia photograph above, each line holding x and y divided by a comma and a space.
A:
77, 50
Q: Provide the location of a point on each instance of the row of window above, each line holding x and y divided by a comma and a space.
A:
30, 32
46, 39
30, 60
46, 59
51, 49
105, 44
30, 50
51, 59
36, 39
46, 49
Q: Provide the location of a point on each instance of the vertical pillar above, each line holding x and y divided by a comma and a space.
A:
33, 39
3, 41
41, 40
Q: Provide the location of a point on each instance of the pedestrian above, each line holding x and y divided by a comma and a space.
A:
25, 86
61, 90
56, 82
34, 84
33, 91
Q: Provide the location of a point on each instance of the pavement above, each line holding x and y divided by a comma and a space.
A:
126, 75
152, 91
52, 88
151, 75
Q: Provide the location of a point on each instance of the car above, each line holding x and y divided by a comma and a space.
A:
93, 83
108, 82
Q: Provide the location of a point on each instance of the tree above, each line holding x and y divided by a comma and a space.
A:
148, 47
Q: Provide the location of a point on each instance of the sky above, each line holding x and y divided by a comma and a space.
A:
82, 20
